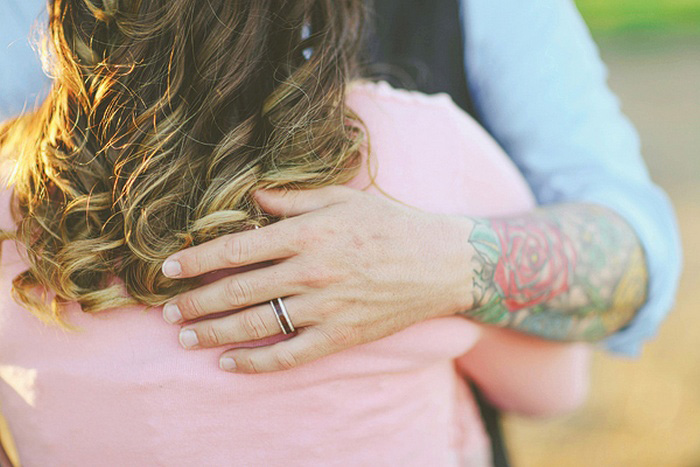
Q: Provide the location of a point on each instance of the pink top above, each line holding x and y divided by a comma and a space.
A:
123, 392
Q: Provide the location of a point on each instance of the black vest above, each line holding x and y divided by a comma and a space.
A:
419, 45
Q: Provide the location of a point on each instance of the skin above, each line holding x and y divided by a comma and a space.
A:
355, 267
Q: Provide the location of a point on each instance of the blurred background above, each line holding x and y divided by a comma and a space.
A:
644, 412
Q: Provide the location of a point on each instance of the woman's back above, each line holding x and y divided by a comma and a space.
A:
122, 391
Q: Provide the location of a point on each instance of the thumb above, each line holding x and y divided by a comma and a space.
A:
288, 203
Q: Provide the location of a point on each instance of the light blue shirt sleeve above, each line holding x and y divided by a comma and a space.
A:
23, 84
540, 88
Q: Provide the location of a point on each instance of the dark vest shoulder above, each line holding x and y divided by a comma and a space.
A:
419, 45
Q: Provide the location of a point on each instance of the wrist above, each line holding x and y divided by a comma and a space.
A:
461, 261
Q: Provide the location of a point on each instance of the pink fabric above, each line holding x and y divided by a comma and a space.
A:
123, 392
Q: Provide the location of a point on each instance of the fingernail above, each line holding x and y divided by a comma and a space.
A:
172, 268
171, 313
227, 364
188, 338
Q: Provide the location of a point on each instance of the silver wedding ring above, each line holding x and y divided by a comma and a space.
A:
282, 316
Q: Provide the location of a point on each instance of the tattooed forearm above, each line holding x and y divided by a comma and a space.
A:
571, 272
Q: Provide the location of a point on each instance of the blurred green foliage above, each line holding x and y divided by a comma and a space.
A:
612, 16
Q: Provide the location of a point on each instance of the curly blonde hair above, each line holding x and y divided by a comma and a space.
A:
163, 118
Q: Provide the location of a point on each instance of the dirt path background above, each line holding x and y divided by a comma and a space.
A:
644, 412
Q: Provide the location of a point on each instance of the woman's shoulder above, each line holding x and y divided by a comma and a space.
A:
426, 151
415, 116
365, 96
384, 91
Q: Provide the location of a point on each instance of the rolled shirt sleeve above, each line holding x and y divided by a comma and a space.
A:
540, 88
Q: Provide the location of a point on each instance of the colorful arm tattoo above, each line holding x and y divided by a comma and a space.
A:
570, 272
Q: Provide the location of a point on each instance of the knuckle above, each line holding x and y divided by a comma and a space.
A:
310, 234
304, 277
237, 250
190, 307
322, 311
254, 326
212, 335
250, 364
238, 292
285, 360
315, 278
190, 264
325, 275
343, 337
301, 238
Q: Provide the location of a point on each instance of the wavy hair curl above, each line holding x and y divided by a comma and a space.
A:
163, 118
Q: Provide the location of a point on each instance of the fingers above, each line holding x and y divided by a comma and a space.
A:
310, 344
230, 251
288, 203
275, 241
235, 291
253, 324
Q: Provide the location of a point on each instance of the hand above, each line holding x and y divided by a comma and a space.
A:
352, 268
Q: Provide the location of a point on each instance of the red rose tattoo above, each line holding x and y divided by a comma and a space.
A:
535, 265
568, 272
